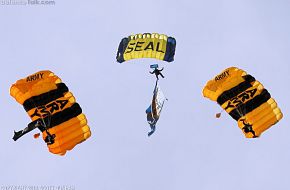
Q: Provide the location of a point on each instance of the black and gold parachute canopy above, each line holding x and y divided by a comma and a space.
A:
47, 99
245, 99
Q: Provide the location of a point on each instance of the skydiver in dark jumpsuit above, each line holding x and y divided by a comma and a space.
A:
248, 128
157, 72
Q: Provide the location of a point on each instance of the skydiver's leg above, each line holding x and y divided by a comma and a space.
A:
152, 130
161, 75
17, 134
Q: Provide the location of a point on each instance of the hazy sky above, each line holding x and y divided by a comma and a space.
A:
191, 149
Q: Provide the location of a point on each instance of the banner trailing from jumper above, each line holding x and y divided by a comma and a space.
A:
154, 110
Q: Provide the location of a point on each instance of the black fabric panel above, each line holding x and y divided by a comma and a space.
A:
229, 94
45, 98
243, 109
170, 49
122, 47
60, 117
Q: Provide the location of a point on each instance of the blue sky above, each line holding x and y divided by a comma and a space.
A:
191, 149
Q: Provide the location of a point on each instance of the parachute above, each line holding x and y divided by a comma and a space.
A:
154, 110
147, 45
53, 109
245, 100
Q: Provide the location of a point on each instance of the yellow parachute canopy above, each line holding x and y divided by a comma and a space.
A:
47, 100
245, 99
147, 45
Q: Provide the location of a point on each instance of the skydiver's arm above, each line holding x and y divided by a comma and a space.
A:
151, 72
161, 69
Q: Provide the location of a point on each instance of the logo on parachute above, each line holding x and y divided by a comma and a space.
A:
241, 98
49, 109
34, 77
223, 75
142, 46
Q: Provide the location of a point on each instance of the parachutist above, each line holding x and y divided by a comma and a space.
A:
157, 72
244, 98
52, 109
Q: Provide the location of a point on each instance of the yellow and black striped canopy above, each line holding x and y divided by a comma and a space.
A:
46, 98
245, 99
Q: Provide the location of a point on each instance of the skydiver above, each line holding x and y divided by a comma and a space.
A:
248, 128
157, 72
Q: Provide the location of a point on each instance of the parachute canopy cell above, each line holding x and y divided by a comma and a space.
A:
45, 98
147, 45
245, 99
